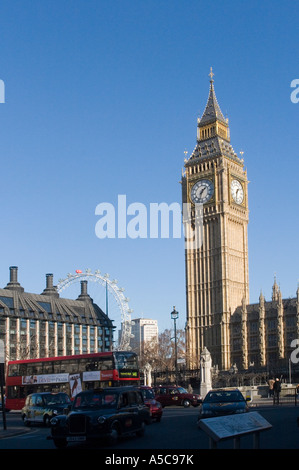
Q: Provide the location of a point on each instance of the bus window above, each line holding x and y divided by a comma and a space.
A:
56, 367
92, 365
30, 369
13, 392
105, 363
38, 368
92, 385
126, 361
13, 370
71, 366
34, 369
48, 367
82, 365
23, 369
64, 366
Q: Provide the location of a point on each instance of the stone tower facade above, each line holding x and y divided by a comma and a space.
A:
217, 279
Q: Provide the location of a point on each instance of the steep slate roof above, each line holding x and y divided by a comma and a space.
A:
212, 110
212, 147
50, 308
49, 305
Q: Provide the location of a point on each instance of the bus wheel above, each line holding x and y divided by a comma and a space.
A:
60, 443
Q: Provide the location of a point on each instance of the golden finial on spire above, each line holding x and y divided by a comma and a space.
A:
211, 74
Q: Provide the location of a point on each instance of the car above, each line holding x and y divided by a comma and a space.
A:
222, 402
101, 415
169, 395
40, 408
155, 406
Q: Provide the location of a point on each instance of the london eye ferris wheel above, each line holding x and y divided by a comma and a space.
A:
108, 296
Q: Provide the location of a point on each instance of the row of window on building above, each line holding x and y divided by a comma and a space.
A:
27, 338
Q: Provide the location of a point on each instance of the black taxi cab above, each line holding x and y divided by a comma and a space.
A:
40, 408
101, 415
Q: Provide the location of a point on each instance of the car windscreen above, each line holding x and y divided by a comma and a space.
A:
223, 397
96, 400
147, 393
181, 390
59, 399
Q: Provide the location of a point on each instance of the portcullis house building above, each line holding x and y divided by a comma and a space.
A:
43, 325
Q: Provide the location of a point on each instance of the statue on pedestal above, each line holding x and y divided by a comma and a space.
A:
205, 372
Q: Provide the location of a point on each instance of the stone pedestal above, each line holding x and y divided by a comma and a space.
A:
205, 373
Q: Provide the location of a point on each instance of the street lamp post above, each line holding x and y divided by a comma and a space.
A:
2, 382
174, 316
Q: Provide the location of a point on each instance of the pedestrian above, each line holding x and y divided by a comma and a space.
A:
277, 390
271, 391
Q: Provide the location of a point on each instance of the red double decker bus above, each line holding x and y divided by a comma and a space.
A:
69, 374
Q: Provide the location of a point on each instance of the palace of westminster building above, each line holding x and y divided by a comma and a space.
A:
219, 316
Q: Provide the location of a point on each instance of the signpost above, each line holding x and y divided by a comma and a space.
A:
234, 426
2, 381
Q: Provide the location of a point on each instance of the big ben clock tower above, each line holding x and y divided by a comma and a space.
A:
217, 270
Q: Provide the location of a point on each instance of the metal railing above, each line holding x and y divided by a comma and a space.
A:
288, 397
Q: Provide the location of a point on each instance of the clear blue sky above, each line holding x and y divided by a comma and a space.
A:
102, 98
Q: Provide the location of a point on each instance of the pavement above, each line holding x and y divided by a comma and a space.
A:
11, 429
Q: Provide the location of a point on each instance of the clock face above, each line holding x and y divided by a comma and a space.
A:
202, 191
237, 191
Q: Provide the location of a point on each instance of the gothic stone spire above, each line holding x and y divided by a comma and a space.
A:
212, 110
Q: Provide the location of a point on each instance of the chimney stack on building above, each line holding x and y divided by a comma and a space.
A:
50, 288
13, 280
84, 295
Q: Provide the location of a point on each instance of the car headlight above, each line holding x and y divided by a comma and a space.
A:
101, 419
54, 421
55, 412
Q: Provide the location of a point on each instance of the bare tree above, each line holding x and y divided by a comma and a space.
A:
161, 355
